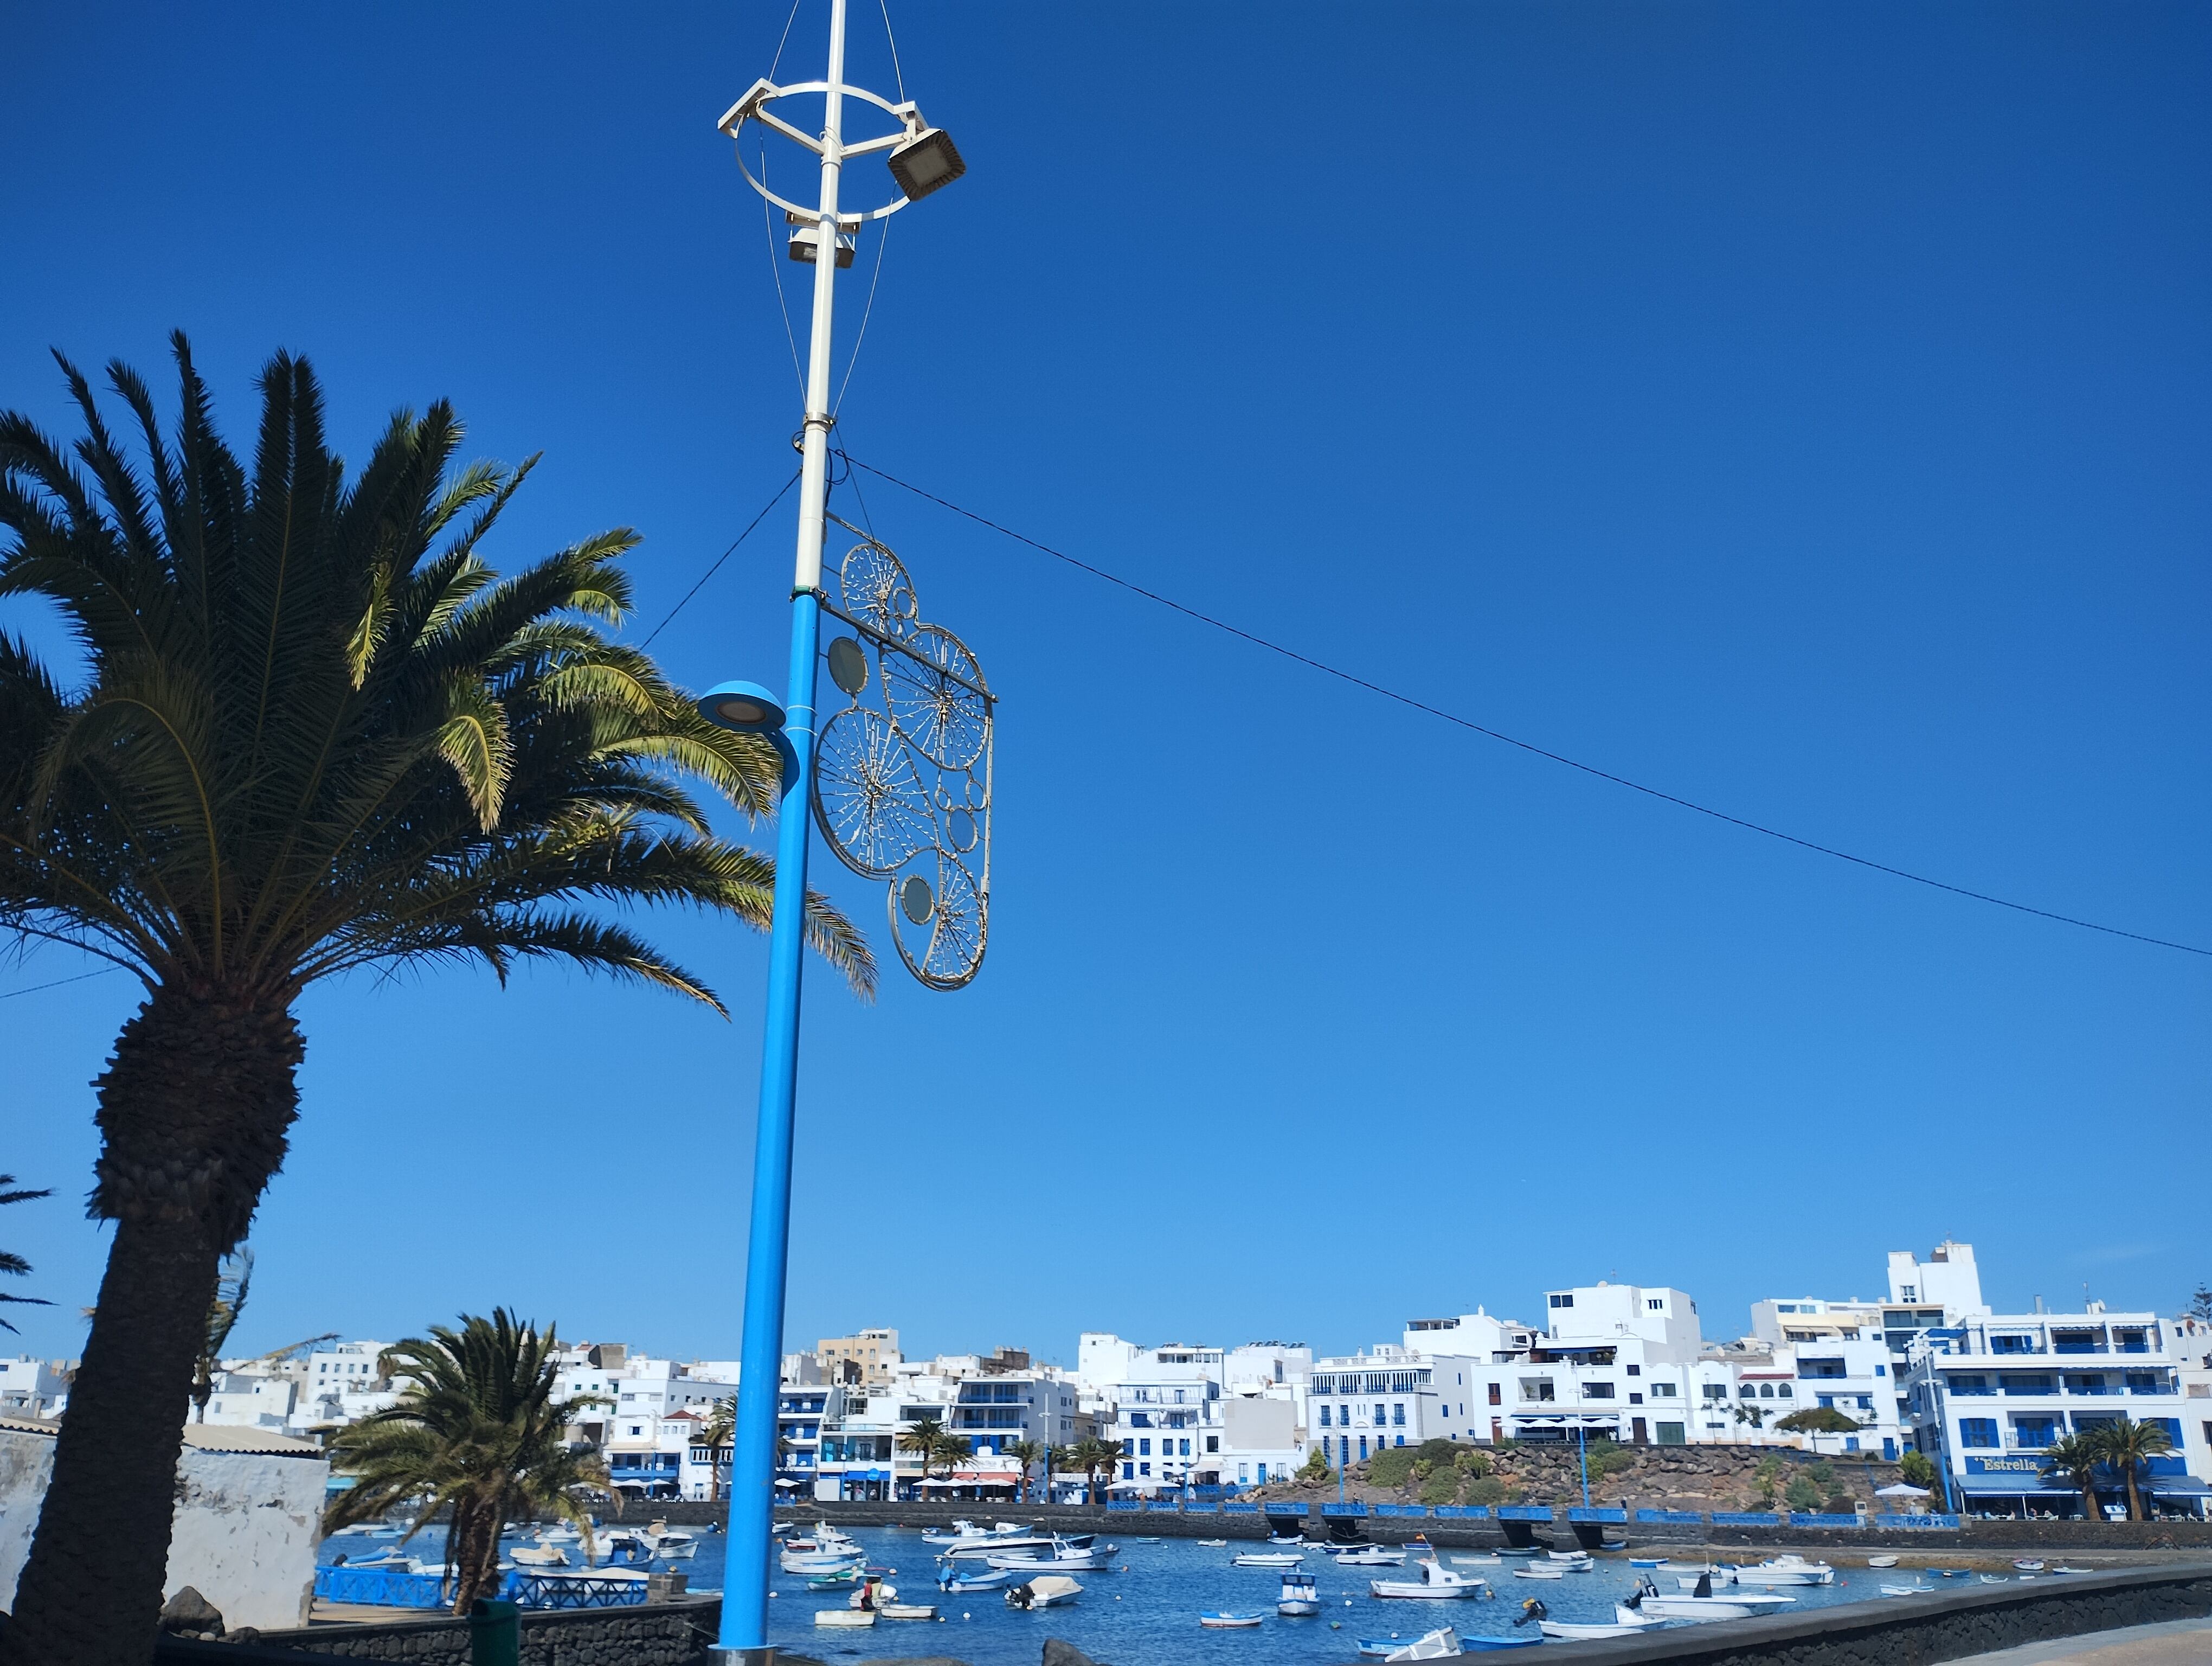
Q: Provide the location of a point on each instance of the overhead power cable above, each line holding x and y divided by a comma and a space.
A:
1454, 718
720, 559
101, 971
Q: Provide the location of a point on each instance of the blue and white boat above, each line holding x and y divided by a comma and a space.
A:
1301, 1597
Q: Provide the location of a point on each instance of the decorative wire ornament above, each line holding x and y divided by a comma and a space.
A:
902, 777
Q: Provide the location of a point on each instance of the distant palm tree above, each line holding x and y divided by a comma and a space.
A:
476, 1431
313, 732
1058, 1461
1025, 1453
11, 1262
2073, 1459
926, 1441
2126, 1445
952, 1449
721, 1425
1097, 1457
230, 1289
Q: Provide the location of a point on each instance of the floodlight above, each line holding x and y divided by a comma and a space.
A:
802, 243
925, 163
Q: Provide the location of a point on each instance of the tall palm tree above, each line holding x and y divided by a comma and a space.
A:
1025, 1453
317, 733
476, 1431
925, 1440
1097, 1456
230, 1292
2073, 1459
2126, 1445
1058, 1461
9, 1260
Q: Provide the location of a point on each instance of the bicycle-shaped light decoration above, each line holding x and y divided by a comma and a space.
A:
903, 773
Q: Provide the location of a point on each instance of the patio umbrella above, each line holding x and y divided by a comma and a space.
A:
1902, 1490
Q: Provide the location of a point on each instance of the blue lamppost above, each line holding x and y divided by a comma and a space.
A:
899, 779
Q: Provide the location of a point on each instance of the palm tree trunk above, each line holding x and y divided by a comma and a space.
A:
2135, 1496
193, 1107
472, 1548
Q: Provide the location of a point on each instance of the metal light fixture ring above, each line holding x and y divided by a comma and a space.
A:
753, 107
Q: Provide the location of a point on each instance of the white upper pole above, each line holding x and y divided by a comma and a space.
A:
814, 477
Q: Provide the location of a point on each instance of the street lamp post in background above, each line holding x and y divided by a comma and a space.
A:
921, 160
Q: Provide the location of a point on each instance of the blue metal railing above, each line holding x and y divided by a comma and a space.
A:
1818, 1518
1131, 1504
1593, 1513
1670, 1518
1351, 1507
1402, 1510
1240, 1509
1524, 1512
379, 1587
1297, 1510
1917, 1521
1746, 1518
1167, 1505
1464, 1512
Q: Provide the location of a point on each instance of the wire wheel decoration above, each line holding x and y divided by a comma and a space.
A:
902, 777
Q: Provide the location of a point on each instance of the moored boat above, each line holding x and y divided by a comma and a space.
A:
1440, 1645
1626, 1622
1224, 1621
1882, 1561
1368, 1556
1047, 1590
1786, 1570
1436, 1583
1265, 1559
1300, 1596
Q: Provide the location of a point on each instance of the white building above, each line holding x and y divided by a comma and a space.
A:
1163, 1409
35, 1388
1989, 1396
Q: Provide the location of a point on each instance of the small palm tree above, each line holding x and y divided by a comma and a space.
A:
12, 1263
2126, 1445
2073, 1459
721, 1425
925, 1440
1025, 1453
476, 1431
1097, 1457
953, 1449
315, 734
230, 1291
1058, 1461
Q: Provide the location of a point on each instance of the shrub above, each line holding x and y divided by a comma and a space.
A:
1441, 1488
1485, 1489
1433, 1452
1802, 1494
1391, 1467
1823, 1473
1316, 1466
1917, 1470
1470, 1461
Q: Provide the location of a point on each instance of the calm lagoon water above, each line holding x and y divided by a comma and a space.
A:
1148, 1616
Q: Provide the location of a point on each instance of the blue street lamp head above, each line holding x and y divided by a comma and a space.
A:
745, 707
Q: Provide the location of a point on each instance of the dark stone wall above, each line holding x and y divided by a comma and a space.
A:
654, 1634
1920, 1631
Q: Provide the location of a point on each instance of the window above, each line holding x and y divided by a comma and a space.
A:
1213, 1442
1381, 1414
1144, 1469
1536, 1388
1635, 1371
1766, 1390
1399, 1439
1654, 1304
1597, 1390
1881, 1370
1496, 1393
1129, 1447
1819, 1368
1784, 1390
1977, 1431
1634, 1398
1715, 1390
1398, 1414
2034, 1430
1563, 1301
1324, 1417
1129, 1472
1749, 1391
1672, 1434
1144, 1450
1186, 1449
1662, 1390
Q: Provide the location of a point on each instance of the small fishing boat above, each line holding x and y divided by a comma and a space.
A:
1647, 1561
1696, 1608
1300, 1597
1441, 1645
1951, 1573
956, 1583
1479, 1559
1906, 1590
1568, 1555
845, 1617
1786, 1570
1484, 1644
1995, 1579
562, 1535
1223, 1620
966, 1533
1046, 1591
2062, 1568
1285, 1538
1437, 1583
1517, 1550
1215, 1544
2028, 1564
843, 1579
1369, 1556
1375, 1648
1626, 1622
1540, 1571
669, 1544
1266, 1559
908, 1610
1882, 1561
540, 1554
1062, 1556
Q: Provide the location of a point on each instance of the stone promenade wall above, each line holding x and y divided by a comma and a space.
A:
1920, 1631
655, 1634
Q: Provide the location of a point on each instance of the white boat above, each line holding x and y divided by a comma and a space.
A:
538, 1555
1300, 1596
562, 1535
1442, 1645
1626, 1622
966, 1533
1663, 1607
1062, 1556
844, 1618
1568, 1555
669, 1544
1215, 1544
1540, 1571
2062, 1568
1224, 1621
816, 1561
1047, 1590
1286, 1538
982, 1546
2029, 1565
1882, 1561
956, 1582
1436, 1583
1370, 1556
1786, 1570
1266, 1559
1479, 1559
1906, 1590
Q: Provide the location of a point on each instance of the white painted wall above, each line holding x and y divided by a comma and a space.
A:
244, 1534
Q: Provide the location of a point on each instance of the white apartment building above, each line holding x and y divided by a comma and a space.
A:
35, 1388
253, 1399
1163, 1409
1987, 1398
338, 1384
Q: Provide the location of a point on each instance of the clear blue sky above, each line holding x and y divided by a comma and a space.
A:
1797, 407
